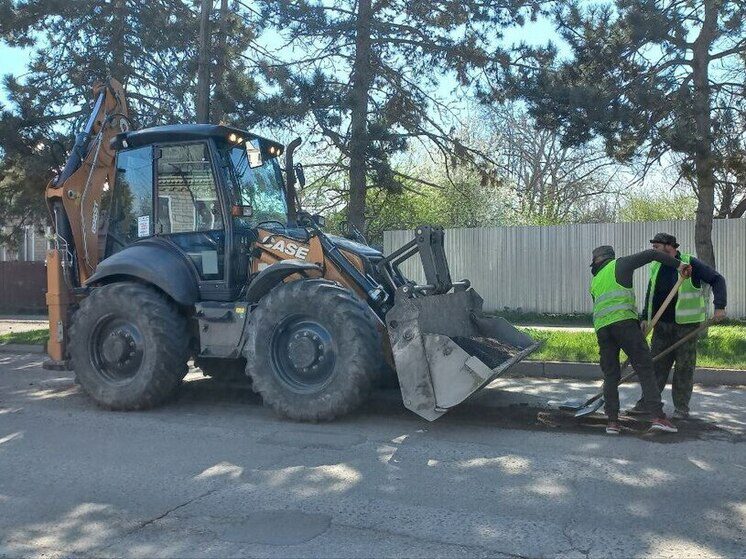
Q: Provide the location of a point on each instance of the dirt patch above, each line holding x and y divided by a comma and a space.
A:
544, 419
488, 350
387, 404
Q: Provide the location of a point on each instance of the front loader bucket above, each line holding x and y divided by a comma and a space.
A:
445, 349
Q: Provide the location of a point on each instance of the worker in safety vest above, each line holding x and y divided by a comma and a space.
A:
685, 313
618, 328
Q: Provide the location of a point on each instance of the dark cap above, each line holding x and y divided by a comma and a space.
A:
605, 252
665, 239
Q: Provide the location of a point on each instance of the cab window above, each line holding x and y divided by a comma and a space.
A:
189, 209
131, 204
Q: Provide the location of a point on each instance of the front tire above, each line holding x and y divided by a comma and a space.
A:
314, 350
129, 346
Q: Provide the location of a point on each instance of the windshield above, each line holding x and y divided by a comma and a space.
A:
261, 188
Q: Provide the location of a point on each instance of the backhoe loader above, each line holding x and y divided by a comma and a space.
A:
188, 241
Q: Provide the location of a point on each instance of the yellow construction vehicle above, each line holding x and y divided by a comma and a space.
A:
187, 241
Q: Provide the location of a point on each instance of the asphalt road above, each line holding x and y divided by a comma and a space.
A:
214, 474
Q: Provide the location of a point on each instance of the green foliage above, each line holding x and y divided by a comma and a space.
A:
724, 346
147, 46
31, 337
517, 316
564, 345
658, 208
381, 62
651, 78
461, 200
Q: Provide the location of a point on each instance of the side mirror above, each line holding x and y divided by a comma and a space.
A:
254, 155
241, 211
300, 175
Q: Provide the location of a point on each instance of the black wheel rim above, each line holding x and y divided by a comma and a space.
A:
303, 354
116, 349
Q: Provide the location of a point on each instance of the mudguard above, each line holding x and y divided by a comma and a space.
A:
155, 263
274, 274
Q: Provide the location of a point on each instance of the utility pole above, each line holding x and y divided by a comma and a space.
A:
203, 66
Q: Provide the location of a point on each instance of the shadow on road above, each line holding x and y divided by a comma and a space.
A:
213, 473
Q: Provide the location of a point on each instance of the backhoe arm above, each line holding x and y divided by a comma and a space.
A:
74, 198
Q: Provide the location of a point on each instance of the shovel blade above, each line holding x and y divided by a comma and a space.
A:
571, 405
445, 349
593, 407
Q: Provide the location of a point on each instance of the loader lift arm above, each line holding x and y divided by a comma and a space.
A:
428, 242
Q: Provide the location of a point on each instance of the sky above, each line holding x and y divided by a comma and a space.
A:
14, 60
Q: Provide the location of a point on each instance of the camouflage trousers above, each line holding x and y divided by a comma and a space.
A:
683, 360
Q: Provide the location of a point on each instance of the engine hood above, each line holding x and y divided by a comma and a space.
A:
355, 247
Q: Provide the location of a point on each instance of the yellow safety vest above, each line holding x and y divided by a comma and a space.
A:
690, 303
612, 302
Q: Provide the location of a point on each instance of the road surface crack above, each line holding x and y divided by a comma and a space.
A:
155, 519
566, 531
488, 550
172, 509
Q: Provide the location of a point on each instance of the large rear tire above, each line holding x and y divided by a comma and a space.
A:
313, 350
129, 346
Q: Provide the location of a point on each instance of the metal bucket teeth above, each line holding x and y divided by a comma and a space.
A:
445, 349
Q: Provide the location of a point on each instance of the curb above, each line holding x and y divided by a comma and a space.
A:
592, 371
22, 348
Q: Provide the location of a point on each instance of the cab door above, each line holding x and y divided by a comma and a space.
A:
189, 211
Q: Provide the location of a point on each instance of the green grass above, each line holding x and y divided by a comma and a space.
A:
545, 319
519, 317
724, 347
34, 337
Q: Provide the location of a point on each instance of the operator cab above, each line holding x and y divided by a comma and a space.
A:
202, 189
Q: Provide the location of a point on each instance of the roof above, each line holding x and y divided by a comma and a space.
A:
182, 133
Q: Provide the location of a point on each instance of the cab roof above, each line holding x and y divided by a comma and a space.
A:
183, 133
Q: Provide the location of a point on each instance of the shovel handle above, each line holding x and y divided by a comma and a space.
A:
669, 349
664, 305
652, 323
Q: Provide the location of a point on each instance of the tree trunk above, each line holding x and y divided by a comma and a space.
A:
703, 161
118, 69
361, 81
221, 64
740, 208
203, 67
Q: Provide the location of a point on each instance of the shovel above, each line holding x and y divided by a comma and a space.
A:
593, 404
597, 401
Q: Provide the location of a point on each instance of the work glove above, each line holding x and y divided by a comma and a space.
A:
685, 270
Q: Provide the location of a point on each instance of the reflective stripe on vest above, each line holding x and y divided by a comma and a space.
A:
690, 303
611, 302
